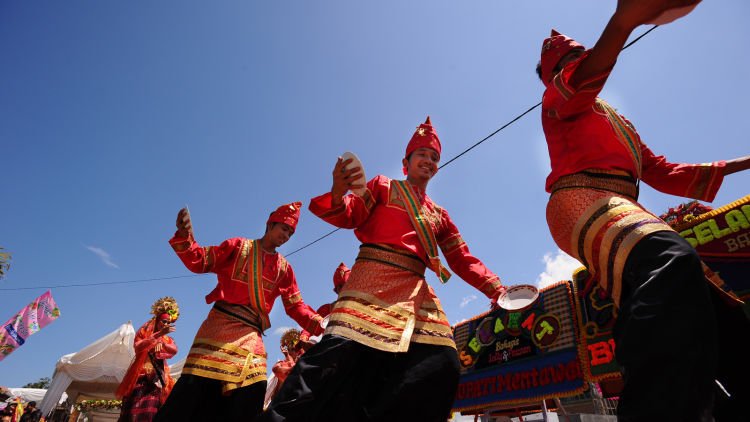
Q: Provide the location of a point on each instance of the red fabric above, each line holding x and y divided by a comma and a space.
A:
581, 137
325, 309
380, 217
553, 49
145, 342
424, 137
287, 214
282, 368
278, 278
340, 276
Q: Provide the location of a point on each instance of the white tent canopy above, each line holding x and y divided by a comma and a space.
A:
30, 394
95, 371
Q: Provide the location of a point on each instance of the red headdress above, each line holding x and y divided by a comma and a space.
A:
424, 137
553, 49
340, 277
287, 214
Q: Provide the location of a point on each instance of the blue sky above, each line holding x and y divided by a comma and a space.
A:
113, 115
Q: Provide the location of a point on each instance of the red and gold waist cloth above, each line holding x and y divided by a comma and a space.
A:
387, 304
597, 221
228, 347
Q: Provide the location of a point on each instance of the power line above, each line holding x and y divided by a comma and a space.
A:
61, 286
336, 229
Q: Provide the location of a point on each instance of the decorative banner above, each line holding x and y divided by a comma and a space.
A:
513, 358
32, 318
722, 239
597, 314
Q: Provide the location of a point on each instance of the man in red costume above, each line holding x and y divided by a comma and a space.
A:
388, 351
147, 382
340, 276
653, 275
226, 367
339, 279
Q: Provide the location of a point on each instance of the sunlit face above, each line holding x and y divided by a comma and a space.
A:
279, 233
422, 164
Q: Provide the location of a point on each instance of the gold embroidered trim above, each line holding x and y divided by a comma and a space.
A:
609, 181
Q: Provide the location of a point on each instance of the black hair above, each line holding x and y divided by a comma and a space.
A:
539, 69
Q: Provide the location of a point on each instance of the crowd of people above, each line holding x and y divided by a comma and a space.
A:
387, 340
384, 350
19, 412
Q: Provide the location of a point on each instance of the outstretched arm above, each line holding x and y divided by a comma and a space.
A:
737, 165
196, 258
628, 16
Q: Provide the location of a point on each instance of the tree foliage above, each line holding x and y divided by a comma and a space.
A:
41, 383
4, 262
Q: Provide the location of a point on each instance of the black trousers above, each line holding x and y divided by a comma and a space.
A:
666, 334
195, 398
341, 380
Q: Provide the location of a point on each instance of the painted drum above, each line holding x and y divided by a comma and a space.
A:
362, 180
519, 297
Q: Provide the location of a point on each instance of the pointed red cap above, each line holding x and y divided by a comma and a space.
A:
553, 49
287, 214
340, 276
424, 137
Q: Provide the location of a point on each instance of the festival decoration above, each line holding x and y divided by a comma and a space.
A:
89, 405
513, 358
597, 314
32, 318
722, 239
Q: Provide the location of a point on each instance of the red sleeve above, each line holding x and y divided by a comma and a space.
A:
697, 181
295, 307
562, 101
353, 212
169, 348
145, 341
462, 262
144, 338
325, 309
199, 259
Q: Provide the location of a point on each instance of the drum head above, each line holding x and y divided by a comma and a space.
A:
362, 180
518, 298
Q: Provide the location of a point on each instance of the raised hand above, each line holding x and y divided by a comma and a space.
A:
343, 180
184, 224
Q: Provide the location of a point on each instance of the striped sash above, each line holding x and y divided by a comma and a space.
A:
626, 134
423, 229
255, 284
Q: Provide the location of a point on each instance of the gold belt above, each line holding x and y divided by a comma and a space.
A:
392, 257
616, 182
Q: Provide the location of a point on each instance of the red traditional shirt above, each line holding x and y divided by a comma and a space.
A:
388, 308
379, 216
226, 261
584, 132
